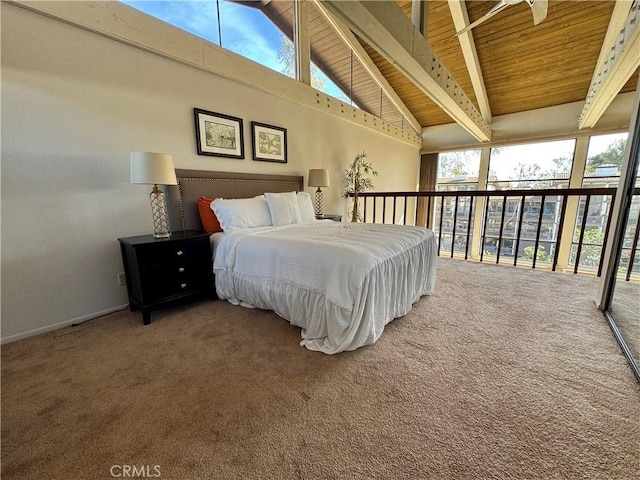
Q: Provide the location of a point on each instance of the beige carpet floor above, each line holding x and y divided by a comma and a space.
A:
503, 373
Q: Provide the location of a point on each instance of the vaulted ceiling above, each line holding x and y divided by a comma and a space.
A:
522, 66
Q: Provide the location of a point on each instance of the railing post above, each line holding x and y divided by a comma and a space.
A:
483, 178
573, 203
428, 182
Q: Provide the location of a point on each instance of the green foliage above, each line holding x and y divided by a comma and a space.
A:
529, 171
286, 55
591, 236
540, 256
613, 155
356, 181
562, 164
625, 260
591, 247
454, 164
451, 166
532, 172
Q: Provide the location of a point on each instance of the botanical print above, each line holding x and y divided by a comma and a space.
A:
269, 143
220, 135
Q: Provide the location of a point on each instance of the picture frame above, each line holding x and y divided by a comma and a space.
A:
218, 135
269, 143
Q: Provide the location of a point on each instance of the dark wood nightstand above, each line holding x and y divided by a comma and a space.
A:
330, 216
163, 271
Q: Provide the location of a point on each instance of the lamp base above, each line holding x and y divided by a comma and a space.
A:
318, 202
159, 213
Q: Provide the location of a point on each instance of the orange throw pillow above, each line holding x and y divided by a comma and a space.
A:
210, 222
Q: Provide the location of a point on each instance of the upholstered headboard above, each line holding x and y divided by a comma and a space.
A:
182, 199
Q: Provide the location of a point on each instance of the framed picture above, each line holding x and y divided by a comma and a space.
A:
269, 143
218, 135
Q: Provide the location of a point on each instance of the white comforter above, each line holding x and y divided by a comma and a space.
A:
340, 282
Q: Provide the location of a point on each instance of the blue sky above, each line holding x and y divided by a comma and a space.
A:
245, 30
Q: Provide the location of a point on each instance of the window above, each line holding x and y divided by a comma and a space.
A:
319, 81
536, 165
243, 29
604, 160
515, 224
457, 171
602, 169
197, 18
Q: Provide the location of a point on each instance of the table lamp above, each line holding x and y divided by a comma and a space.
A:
155, 169
319, 177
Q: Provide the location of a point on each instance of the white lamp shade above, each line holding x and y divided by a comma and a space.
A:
152, 168
319, 177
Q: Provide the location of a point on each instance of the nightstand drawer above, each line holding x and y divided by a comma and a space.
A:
159, 282
171, 255
174, 268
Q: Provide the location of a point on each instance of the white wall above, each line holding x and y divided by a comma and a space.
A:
74, 105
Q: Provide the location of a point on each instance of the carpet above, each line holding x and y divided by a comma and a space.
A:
503, 373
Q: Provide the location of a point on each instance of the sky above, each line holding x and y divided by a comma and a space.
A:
245, 30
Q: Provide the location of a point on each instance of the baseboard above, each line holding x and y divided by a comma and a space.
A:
59, 325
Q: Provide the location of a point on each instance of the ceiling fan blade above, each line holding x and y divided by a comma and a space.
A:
496, 9
539, 10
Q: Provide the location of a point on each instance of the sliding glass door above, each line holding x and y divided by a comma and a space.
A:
621, 300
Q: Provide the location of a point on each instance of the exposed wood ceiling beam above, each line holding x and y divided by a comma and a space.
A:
385, 27
370, 67
619, 58
302, 48
616, 24
461, 20
420, 16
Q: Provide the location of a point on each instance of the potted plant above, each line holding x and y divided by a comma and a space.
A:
356, 181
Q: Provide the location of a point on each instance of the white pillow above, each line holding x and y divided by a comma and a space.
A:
241, 213
305, 205
283, 207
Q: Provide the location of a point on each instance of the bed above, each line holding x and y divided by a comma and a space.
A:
314, 273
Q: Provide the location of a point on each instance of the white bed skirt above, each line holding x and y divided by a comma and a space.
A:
341, 297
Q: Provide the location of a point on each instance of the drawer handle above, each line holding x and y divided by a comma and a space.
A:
181, 270
183, 285
179, 253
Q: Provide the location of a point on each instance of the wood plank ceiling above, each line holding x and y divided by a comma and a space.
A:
524, 66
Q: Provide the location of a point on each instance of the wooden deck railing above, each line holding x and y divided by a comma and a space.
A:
550, 228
